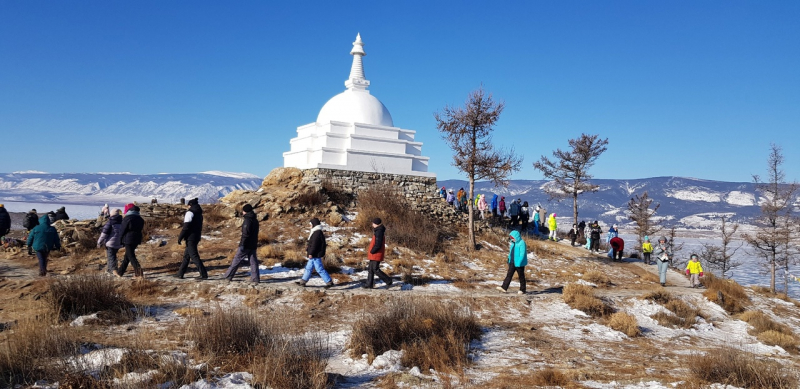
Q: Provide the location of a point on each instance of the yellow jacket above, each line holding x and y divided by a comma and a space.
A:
694, 267
647, 247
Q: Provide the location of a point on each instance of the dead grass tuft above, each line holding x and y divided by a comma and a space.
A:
726, 293
433, 334
682, 314
729, 366
597, 277
625, 323
225, 332
581, 297
769, 331
33, 350
82, 295
660, 296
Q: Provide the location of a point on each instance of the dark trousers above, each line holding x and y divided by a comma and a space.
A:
191, 253
42, 256
514, 220
242, 254
572, 240
375, 269
595, 244
646, 258
494, 212
111, 254
520, 274
615, 254
130, 256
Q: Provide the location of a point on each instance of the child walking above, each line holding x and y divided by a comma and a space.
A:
694, 270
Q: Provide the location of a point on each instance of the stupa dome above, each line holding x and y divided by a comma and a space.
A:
355, 106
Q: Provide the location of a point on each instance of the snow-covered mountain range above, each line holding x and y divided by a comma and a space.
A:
97, 188
685, 202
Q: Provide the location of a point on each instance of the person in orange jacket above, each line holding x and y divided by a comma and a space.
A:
375, 253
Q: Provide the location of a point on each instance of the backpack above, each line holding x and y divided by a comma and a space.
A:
29, 222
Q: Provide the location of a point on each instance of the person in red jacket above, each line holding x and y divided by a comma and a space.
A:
377, 248
617, 245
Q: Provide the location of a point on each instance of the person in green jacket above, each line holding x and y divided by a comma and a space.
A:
517, 260
44, 238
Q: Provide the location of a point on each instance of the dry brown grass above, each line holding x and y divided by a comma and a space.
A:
547, 377
433, 334
726, 293
625, 323
734, 367
683, 315
404, 226
32, 350
83, 295
765, 291
581, 297
597, 277
769, 331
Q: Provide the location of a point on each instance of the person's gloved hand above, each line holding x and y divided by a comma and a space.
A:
179, 242
701, 274
687, 272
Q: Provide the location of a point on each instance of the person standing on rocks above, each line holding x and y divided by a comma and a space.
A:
494, 205
192, 229
482, 205
247, 246
513, 213
44, 238
595, 233
61, 214
111, 237
451, 198
375, 254
517, 260
132, 226
5, 222
647, 250
663, 255
315, 250
501, 206
105, 212
30, 221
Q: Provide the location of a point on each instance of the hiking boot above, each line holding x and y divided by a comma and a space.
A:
365, 286
500, 288
301, 283
663, 284
328, 284
520, 292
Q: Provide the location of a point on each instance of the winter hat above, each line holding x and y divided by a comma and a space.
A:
128, 207
694, 256
193, 201
664, 238
646, 238
377, 221
117, 211
554, 215
61, 209
314, 222
2, 206
247, 208
136, 208
33, 210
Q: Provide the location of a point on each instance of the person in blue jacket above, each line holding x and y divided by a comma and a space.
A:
494, 206
517, 260
44, 238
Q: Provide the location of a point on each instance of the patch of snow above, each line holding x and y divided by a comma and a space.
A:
228, 381
81, 320
694, 193
389, 360
616, 385
230, 174
740, 198
98, 359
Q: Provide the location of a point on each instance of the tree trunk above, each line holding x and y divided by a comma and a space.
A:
772, 276
575, 207
472, 204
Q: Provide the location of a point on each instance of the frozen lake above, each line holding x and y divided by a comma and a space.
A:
75, 211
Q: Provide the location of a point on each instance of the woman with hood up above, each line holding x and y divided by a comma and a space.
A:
44, 238
451, 197
482, 205
517, 260
501, 206
111, 237
553, 226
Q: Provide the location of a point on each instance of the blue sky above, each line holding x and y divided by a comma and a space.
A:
696, 89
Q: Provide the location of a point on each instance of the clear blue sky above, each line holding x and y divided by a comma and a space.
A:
695, 88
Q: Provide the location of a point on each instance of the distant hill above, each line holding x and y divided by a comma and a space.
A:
94, 188
685, 202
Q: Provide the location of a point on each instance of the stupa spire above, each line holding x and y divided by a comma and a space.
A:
357, 80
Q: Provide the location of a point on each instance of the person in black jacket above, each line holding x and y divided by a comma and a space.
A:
31, 220
192, 229
247, 246
595, 235
316, 251
61, 214
132, 226
5, 221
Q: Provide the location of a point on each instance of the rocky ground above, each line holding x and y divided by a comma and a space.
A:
522, 335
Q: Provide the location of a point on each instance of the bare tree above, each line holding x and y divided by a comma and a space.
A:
569, 170
720, 257
639, 212
468, 132
771, 242
676, 247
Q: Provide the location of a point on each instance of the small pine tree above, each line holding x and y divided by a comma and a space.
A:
643, 216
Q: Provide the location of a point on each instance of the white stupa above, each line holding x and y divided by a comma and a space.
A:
355, 131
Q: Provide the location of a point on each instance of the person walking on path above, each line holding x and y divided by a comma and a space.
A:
111, 237
517, 260
595, 236
5, 221
647, 250
44, 238
482, 205
573, 234
248, 245
316, 251
617, 246
663, 256
553, 226
375, 253
61, 214
694, 270
191, 232
30, 221
132, 226
494, 205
